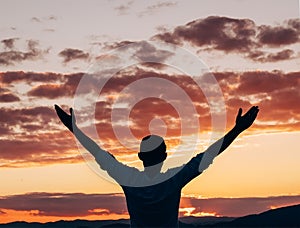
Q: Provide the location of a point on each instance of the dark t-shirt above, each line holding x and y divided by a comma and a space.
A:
151, 203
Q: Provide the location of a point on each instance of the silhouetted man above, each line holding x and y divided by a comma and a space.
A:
155, 202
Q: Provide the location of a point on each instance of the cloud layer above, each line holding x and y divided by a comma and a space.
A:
259, 43
66, 205
276, 93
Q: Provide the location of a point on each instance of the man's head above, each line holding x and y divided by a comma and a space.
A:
152, 150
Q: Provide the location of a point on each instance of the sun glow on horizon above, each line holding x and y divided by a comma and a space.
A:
8, 215
190, 211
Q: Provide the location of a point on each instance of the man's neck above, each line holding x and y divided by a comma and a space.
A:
152, 171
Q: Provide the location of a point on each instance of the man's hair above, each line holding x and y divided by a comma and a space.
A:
152, 150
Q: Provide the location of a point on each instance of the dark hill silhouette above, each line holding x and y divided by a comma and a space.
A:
70, 224
281, 217
79, 224
205, 220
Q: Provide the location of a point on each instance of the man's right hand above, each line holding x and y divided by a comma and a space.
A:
68, 120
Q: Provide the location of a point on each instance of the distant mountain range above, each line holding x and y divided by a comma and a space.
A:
280, 217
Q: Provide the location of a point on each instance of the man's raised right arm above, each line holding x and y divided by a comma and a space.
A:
70, 122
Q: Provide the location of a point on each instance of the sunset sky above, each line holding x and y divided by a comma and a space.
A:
251, 48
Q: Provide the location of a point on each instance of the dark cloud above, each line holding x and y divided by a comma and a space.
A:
12, 57
70, 54
115, 45
38, 149
281, 55
143, 51
221, 33
9, 43
23, 115
37, 140
29, 77
8, 97
279, 35
255, 82
147, 109
262, 56
237, 35
4, 130
128, 76
66, 88
80, 204
276, 94
234, 207
65, 204
285, 103
53, 85
50, 91
146, 52
294, 23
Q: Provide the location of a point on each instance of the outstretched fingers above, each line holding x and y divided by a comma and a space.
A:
65, 118
245, 121
59, 110
240, 112
252, 113
253, 110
